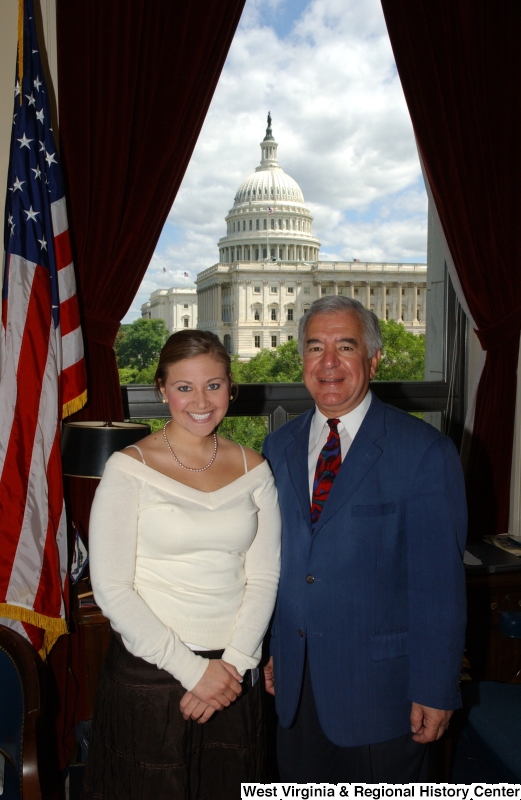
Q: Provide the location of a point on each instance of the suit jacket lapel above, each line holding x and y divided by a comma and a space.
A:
297, 462
363, 453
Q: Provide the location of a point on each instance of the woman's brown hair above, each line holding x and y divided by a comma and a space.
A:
189, 344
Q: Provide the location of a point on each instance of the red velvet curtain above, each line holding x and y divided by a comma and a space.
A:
459, 62
135, 82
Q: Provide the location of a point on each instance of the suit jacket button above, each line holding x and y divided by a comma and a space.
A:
310, 579
300, 633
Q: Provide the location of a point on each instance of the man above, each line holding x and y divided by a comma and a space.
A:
368, 630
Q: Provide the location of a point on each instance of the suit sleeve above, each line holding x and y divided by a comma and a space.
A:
436, 524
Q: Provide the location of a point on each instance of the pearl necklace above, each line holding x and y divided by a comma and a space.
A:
190, 469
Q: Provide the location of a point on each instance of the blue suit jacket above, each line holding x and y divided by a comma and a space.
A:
384, 618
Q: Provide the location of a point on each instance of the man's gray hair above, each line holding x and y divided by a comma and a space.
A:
331, 304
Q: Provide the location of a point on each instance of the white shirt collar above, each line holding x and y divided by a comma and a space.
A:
351, 421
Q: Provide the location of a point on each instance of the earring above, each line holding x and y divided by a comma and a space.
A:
164, 399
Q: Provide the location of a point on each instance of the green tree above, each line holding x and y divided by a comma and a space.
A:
138, 345
133, 375
127, 375
403, 354
249, 431
281, 365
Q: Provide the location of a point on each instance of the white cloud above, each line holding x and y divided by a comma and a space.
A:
343, 129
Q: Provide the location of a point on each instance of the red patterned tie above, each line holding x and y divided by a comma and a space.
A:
328, 464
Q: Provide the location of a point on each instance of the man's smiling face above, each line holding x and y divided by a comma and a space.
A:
337, 369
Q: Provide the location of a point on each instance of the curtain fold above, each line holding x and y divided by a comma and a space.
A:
459, 62
135, 82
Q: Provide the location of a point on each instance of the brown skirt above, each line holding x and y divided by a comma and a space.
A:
142, 749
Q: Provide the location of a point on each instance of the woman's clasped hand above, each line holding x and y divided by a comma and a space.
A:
219, 686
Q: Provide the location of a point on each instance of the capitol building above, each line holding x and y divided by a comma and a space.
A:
269, 271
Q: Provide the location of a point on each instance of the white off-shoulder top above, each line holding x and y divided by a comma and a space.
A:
171, 564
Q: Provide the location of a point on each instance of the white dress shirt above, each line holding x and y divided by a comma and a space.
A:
347, 430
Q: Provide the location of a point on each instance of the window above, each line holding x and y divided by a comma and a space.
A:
251, 224
340, 291
256, 315
290, 290
274, 289
274, 314
265, 224
280, 224
227, 342
273, 341
256, 254
256, 290
244, 224
403, 291
387, 313
234, 227
387, 291
185, 322
185, 305
290, 315
272, 224
287, 224
257, 342
265, 251
272, 252
307, 290
290, 338
323, 290
372, 291
356, 291
257, 224
418, 291
280, 253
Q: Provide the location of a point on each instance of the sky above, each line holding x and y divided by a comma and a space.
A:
325, 70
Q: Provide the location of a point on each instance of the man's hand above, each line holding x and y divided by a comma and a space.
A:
269, 677
428, 724
192, 708
219, 686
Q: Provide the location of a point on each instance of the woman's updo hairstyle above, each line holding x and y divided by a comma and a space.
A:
189, 344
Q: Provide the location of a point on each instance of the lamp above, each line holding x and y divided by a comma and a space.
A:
86, 446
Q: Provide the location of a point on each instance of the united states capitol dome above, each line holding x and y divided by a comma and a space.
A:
269, 181
269, 218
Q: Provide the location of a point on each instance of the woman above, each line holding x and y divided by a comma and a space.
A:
184, 553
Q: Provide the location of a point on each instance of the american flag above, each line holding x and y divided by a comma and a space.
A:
42, 370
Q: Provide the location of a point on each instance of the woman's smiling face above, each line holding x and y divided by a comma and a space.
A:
198, 393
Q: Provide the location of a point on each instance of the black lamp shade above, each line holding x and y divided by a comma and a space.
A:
86, 446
